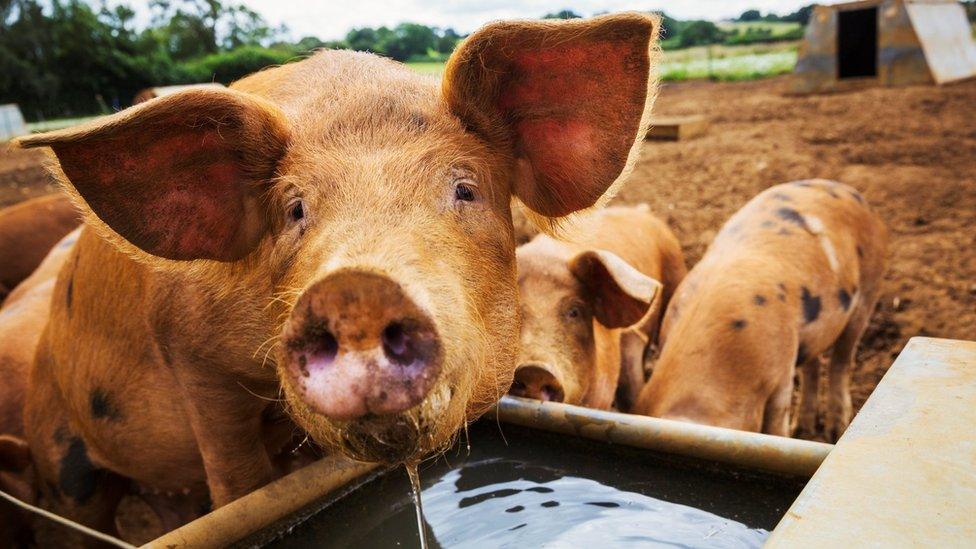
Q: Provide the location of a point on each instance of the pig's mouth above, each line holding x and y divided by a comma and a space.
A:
390, 439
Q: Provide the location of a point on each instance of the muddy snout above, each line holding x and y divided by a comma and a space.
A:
357, 345
535, 381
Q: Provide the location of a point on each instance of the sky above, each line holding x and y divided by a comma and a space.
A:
331, 19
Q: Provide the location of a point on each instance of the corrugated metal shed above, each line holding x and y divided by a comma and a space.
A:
11, 122
885, 42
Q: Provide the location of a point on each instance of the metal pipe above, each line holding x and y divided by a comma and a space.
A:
788, 456
264, 506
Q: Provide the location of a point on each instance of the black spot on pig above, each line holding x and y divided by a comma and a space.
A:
801, 354
860, 251
550, 504
857, 196
844, 298
77, 477
767, 224
811, 305
782, 196
784, 232
60, 434
738, 324
70, 292
515, 509
793, 216
803, 184
782, 292
102, 406
759, 300
832, 193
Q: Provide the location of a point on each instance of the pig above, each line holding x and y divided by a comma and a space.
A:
326, 244
794, 274
27, 232
591, 302
22, 319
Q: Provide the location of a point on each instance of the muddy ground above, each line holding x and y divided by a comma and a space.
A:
911, 151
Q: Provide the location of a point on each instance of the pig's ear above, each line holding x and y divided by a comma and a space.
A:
570, 100
621, 294
180, 177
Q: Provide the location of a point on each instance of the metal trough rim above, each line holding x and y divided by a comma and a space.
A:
775, 454
291, 493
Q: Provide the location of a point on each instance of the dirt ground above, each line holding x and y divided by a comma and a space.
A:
911, 151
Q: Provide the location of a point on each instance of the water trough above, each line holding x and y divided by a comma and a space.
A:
571, 476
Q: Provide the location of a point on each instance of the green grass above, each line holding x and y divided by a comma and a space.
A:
778, 28
58, 124
727, 62
740, 67
427, 67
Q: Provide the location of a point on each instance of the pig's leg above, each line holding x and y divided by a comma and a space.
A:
807, 415
776, 416
227, 425
631, 379
839, 407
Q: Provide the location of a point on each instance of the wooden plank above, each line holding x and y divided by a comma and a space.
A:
677, 128
903, 473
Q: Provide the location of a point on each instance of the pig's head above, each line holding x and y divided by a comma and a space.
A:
366, 210
567, 296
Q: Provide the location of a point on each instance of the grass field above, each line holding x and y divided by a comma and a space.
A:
716, 62
729, 62
778, 28
58, 124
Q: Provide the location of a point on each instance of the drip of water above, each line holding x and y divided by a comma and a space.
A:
418, 504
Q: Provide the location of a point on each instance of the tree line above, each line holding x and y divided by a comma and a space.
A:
63, 58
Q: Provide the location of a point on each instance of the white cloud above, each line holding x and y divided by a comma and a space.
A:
331, 19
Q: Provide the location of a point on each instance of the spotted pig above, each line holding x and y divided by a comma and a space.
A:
794, 274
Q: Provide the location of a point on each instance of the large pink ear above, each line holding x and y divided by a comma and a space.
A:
180, 177
569, 99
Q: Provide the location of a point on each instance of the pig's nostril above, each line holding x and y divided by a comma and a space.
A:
552, 393
321, 351
397, 344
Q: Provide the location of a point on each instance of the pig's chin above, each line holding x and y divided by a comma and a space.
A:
403, 437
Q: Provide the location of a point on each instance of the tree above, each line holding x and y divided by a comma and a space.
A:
801, 16
562, 14
699, 33
448, 40
670, 27
750, 15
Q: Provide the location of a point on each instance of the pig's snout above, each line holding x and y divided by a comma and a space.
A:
534, 381
357, 345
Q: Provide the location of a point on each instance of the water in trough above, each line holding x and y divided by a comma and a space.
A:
529, 488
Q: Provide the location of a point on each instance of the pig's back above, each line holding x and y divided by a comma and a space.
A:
795, 243
637, 236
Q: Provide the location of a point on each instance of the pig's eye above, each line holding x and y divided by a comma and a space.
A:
465, 192
296, 211
574, 312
